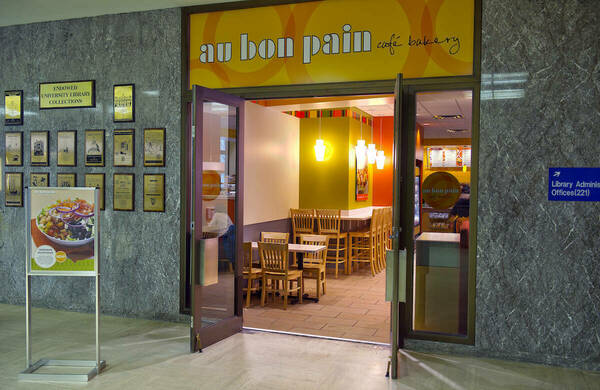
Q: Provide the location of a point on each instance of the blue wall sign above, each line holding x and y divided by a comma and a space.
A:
574, 184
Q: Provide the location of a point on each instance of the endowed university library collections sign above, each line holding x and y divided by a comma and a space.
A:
331, 41
68, 94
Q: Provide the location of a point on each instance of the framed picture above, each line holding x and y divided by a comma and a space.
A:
13, 142
94, 148
124, 103
14, 189
39, 179
123, 148
13, 108
123, 191
66, 146
96, 180
39, 148
154, 147
154, 192
66, 180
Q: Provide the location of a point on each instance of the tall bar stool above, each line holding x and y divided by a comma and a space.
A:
365, 245
329, 223
303, 222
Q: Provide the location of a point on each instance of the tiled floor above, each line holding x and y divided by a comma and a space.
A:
354, 308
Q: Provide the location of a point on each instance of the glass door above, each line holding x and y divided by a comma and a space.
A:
215, 216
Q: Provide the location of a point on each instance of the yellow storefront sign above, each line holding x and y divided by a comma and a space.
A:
331, 41
70, 94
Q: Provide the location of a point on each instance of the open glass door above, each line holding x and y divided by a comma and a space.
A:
215, 215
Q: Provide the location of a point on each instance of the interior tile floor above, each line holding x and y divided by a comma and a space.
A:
354, 307
144, 354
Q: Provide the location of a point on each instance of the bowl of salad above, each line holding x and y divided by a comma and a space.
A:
68, 222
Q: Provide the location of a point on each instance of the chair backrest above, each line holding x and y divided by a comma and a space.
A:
275, 237
303, 220
247, 256
273, 257
315, 239
375, 222
329, 221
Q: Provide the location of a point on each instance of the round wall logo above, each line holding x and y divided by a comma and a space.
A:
441, 190
45, 256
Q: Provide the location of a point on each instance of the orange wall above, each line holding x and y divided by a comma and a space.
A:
383, 181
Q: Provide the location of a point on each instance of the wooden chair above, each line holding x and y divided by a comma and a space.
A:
275, 237
329, 224
365, 245
274, 262
303, 222
314, 265
249, 272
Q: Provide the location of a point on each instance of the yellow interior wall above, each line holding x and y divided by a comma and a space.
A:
324, 184
355, 135
462, 177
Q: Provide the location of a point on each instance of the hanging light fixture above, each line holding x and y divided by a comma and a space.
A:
320, 145
360, 150
371, 149
380, 158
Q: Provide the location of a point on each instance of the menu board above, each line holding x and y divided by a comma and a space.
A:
449, 156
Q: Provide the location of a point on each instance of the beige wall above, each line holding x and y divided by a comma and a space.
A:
271, 164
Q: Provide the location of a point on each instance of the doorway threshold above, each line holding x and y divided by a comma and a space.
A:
316, 336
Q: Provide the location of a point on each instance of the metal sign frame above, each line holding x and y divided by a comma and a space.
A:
96, 366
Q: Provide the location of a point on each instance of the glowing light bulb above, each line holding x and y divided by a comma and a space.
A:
320, 150
380, 159
371, 153
360, 151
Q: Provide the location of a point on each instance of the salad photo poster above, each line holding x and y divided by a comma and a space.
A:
63, 229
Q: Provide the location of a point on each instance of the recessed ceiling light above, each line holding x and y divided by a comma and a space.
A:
454, 116
454, 131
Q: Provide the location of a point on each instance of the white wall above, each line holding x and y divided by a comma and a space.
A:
271, 164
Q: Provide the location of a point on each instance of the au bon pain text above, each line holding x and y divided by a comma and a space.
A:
329, 44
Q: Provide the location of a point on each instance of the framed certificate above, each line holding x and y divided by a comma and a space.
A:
39, 148
94, 148
14, 189
66, 146
39, 179
154, 192
13, 142
154, 147
13, 108
124, 103
123, 148
96, 180
123, 191
66, 180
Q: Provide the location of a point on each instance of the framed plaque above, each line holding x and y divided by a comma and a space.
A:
13, 142
94, 148
66, 145
66, 180
123, 148
67, 94
14, 189
13, 108
124, 103
38, 179
96, 180
154, 192
39, 148
123, 192
154, 147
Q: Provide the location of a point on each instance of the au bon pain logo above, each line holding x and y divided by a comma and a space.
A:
284, 47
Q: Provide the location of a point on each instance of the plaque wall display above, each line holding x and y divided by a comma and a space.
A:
154, 192
123, 148
13, 108
154, 147
94, 148
66, 145
96, 180
39, 179
68, 94
67, 180
124, 103
123, 191
14, 149
39, 148
14, 189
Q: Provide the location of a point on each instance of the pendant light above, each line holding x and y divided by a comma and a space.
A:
380, 158
320, 145
360, 150
371, 149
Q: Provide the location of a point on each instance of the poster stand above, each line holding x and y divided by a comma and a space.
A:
96, 366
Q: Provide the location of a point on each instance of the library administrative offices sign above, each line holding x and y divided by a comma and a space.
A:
331, 41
